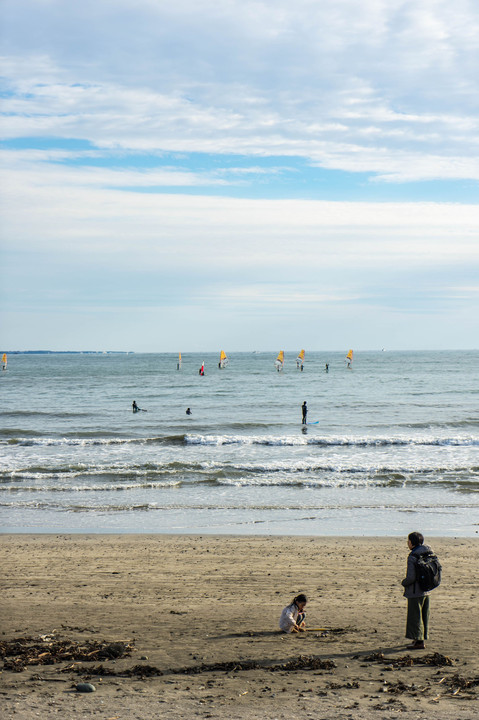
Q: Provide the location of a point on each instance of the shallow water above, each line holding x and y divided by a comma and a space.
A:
396, 446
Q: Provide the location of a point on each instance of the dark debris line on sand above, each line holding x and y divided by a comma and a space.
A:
407, 661
302, 662
454, 684
46, 650
19, 653
458, 684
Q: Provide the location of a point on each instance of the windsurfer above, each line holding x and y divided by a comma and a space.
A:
304, 409
300, 360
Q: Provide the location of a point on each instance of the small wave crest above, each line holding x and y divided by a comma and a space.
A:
299, 472
103, 487
325, 441
92, 441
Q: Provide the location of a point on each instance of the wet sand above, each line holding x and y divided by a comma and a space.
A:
203, 611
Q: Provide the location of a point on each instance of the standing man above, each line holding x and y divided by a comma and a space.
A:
417, 622
304, 409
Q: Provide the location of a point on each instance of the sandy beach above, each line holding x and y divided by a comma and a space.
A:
187, 626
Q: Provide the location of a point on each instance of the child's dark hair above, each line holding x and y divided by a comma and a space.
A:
300, 599
416, 538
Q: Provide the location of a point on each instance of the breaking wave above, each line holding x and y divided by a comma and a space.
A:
265, 440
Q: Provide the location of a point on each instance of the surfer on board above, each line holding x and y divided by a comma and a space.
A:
304, 409
135, 407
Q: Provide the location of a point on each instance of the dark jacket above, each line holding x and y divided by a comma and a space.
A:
411, 587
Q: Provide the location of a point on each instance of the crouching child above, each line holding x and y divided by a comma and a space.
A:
293, 616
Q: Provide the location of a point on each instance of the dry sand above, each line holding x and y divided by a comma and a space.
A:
188, 602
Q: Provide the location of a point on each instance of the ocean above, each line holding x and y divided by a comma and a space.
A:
395, 447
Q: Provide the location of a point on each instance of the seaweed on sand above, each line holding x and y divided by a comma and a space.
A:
22, 652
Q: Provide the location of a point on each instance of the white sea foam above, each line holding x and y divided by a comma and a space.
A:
331, 441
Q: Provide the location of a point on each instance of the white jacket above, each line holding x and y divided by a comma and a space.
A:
288, 618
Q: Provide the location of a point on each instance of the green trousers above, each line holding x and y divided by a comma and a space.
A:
417, 623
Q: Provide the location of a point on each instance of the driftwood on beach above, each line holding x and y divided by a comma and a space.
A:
21, 652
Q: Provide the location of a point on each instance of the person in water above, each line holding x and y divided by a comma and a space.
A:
188, 411
292, 616
326, 367
135, 407
304, 409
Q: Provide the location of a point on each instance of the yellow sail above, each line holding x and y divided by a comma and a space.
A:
300, 356
179, 357
279, 362
223, 359
349, 356
4, 361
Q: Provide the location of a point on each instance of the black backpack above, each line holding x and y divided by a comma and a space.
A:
428, 571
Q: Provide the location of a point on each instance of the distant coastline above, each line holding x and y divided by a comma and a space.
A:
70, 352
245, 352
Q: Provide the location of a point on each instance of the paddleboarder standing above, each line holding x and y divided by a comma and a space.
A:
304, 409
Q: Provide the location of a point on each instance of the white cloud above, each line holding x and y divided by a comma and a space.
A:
383, 87
43, 169
406, 147
351, 86
85, 209
290, 294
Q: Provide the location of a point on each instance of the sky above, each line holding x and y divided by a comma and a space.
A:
236, 174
